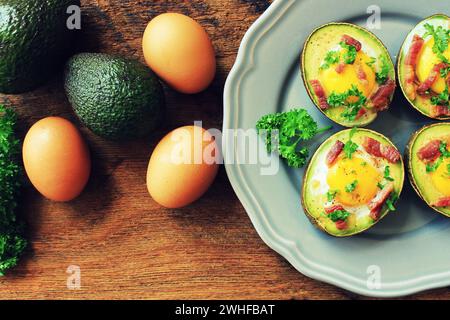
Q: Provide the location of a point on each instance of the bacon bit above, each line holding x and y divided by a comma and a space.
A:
376, 149
426, 85
361, 74
438, 111
334, 208
340, 67
320, 93
361, 113
376, 204
341, 224
380, 99
410, 86
352, 42
414, 49
334, 152
443, 202
430, 151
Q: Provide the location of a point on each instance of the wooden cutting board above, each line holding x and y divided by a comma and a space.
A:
124, 245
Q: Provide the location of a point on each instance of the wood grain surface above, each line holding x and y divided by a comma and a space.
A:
128, 247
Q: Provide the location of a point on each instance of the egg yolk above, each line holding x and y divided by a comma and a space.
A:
332, 81
426, 61
441, 177
345, 172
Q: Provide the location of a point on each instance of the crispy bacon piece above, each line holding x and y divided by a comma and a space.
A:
340, 67
351, 42
334, 208
361, 74
341, 224
410, 86
414, 49
320, 93
426, 85
438, 111
430, 151
334, 152
376, 149
380, 99
377, 203
442, 202
361, 112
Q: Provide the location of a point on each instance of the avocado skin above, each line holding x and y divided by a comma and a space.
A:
116, 98
34, 41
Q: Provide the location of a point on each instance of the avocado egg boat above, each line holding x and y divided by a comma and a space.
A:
424, 67
348, 73
428, 161
352, 181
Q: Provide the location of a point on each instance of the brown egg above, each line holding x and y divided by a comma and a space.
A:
182, 167
56, 159
180, 52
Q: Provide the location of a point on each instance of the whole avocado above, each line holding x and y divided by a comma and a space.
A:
116, 98
34, 41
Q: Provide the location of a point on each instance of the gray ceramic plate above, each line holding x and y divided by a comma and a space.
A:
408, 250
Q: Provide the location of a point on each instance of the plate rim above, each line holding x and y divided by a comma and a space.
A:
285, 247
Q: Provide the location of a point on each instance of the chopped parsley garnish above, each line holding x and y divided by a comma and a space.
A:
364, 163
339, 215
350, 53
444, 72
441, 39
448, 169
331, 58
380, 185
331, 194
387, 173
341, 99
383, 74
431, 167
442, 99
443, 149
371, 62
391, 200
285, 131
350, 147
351, 186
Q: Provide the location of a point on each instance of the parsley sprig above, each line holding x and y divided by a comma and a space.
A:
338, 215
350, 147
12, 243
383, 75
284, 133
342, 99
441, 38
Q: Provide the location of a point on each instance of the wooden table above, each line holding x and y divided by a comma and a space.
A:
124, 243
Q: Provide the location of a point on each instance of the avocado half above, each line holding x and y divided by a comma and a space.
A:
327, 38
421, 103
313, 203
418, 176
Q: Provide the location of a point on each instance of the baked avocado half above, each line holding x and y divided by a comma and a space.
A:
423, 67
348, 73
352, 181
428, 161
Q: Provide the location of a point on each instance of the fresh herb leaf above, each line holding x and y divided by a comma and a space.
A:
338, 215
387, 174
380, 185
391, 200
350, 53
441, 39
12, 243
331, 58
443, 149
284, 132
383, 74
331, 194
350, 147
351, 186
337, 99
431, 167
371, 62
442, 99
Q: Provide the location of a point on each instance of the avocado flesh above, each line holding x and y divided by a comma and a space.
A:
422, 104
314, 204
114, 97
420, 179
34, 41
326, 38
